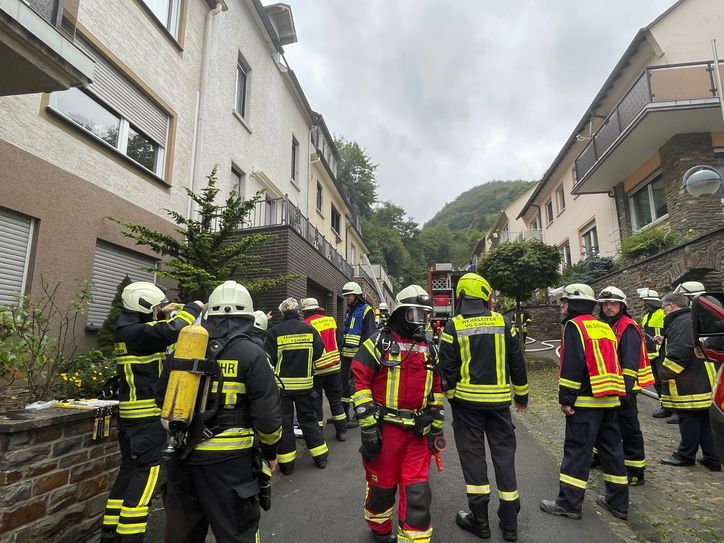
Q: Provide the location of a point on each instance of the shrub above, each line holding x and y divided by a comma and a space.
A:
85, 375
650, 241
588, 270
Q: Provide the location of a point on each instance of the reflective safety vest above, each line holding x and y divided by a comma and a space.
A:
601, 352
652, 325
353, 322
327, 328
644, 375
484, 372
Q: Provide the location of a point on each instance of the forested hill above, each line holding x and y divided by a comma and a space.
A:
477, 208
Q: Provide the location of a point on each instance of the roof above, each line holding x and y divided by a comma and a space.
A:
623, 62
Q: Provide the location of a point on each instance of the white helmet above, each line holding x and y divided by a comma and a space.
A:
578, 291
260, 320
309, 303
649, 295
351, 288
383, 306
289, 305
142, 297
612, 294
230, 299
690, 288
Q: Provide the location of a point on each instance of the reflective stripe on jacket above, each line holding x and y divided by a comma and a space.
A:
293, 347
639, 370
326, 326
354, 328
652, 324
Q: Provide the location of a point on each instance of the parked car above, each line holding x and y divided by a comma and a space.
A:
708, 320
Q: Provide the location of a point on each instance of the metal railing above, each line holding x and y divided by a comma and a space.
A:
281, 212
656, 84
525, 235
62, 14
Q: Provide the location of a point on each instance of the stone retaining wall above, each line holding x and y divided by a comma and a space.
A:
54, 479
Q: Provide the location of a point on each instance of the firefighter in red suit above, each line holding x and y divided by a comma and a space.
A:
398, 402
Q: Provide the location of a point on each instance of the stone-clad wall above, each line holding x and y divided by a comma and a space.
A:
54, 479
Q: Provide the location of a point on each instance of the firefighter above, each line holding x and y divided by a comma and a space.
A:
258, 330
140, 343
479, 359
688, 382
217, 484
359, 324
637, 374
398, 401
652, 325
590, 384
294, 347
384, 315
327, 377
690, 289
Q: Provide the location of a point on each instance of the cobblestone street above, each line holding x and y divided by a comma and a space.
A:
677, 505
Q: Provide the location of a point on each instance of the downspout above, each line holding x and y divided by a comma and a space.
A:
201, 105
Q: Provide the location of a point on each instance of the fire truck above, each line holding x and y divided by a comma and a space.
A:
442, 278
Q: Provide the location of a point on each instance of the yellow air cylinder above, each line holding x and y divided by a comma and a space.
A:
183, 386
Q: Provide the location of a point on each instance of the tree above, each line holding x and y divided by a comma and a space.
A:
519, 268
357, 172
104, 338
208, 250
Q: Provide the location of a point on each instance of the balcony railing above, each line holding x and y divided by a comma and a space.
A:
525, 235
281, 212
656, 85
62, 14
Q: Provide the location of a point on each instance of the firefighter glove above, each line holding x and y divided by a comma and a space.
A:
371, 443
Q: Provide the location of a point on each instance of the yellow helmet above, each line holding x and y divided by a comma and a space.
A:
472, 285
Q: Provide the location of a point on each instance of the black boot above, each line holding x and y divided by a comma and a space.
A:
469, 522
508, 535
662, 413
321, 461
385, 538
286, 468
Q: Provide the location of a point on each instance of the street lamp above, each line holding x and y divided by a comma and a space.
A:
701, 181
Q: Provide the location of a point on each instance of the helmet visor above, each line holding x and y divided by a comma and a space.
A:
416, 315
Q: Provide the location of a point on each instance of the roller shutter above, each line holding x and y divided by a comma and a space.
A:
110, 265
16, 234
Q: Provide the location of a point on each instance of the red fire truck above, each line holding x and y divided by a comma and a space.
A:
442, 278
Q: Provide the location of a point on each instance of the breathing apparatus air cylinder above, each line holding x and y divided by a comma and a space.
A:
184, 385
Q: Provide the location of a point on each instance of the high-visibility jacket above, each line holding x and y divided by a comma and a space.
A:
687, 380
329, 362
479, 359
139, 348
652, 325
359, 325
634, 362
590, 373
250, 402
400, 391
293, 347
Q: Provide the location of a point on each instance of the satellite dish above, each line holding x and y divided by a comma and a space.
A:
701, 181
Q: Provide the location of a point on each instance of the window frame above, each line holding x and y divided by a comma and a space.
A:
173, 24
585, 231
560, 197
336, 214
320, 198
564, 248
549, 211
238, 177
125, 125
242, 66
646, 185
295, 161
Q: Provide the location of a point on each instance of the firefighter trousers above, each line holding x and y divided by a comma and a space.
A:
403, 465
223, 495
304, 403
584, 429
696, 432
127, 508
633, 440
330, 384
347, 385
471, 428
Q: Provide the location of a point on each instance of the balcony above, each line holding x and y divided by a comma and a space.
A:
281, 212
505, 236
37, 53
664, 101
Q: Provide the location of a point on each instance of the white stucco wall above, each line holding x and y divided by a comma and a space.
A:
685, 34
126, 30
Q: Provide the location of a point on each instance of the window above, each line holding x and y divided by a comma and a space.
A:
110, 265
535, 225
561, 199
589, 241
549, 212
242, 87
295, 158
116, 112
320, 195
353, 252
16, 237
167, 13
565, 251
336, 220
238, 181
648, 204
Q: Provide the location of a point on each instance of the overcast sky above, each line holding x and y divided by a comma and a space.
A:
448, 94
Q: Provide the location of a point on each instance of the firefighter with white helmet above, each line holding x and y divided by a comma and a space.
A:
359, 324
589, 386
398, 402
383, 315
690, 289
637, 374
140, 340
258, 331
218, 483
652, 325
482, 371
